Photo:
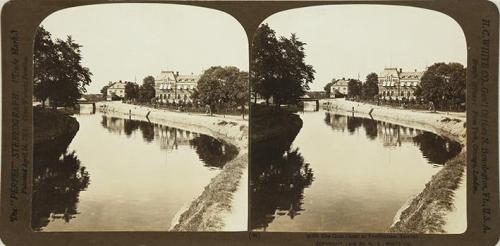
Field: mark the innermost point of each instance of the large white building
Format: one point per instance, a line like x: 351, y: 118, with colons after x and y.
x: 171, y: 87
x: 395, y: 84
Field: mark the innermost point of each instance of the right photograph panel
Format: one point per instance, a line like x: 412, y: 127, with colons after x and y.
x: 358, y: 121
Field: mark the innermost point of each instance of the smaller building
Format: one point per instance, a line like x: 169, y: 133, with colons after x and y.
x: 339, y: 88
x: 115, y: 89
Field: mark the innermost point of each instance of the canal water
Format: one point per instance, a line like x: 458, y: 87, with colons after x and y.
x: 120, y: 174
x: 343, y: 173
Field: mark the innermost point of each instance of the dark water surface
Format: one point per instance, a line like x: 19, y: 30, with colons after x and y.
x: 122, y: 174
x: 342, y: 174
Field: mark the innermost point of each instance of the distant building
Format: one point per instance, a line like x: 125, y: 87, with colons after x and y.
x: 339, y: 86
x: 171, y: 87
x: 395, y: 84
x: 116, y: 89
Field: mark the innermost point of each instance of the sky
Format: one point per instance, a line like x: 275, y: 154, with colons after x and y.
x: 131, y: 41
x: 347, y: 41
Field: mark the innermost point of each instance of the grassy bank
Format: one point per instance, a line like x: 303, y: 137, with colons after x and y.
x: 269, y: 122
x: 427, y: 212
x: 50, y: 124
x: 216, y: 199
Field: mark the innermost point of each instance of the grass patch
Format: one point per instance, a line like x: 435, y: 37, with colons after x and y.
x: 205, y: 213
x: 426, y: 213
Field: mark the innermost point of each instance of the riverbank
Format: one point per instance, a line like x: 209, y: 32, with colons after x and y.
x: 50, y: 124
x: 435, y: 207
x: 216, y: 207
x: 270, y: 123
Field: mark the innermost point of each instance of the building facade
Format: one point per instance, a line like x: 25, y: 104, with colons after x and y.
x: 172, y: 87
x: 340, y: 86
x: 395, y: 84
x: 115, y: 89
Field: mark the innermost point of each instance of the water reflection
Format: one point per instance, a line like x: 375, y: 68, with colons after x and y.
x: 58, y: 180
x: 213, y: 152
x: 434, y: 148
x: 338, y: 170
x: 137, y: 169
x: 279, y: 177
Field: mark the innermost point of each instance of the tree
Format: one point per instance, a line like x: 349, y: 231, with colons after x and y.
x: 370, y: 87
x: 58, y: 73
x: 264, y: 61
x: 104, y: 91
x: 328, y: 87
x: 354, y: 88
x: 147, y: 89
x: 223, y: 86
x: 444, y: 84
x: 131, y: 91
x: 237, y: 91
x: 279, y: 70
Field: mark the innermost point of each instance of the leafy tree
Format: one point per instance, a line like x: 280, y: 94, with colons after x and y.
x: 264, y: 61
x: 58, y: 73
x: 444, y: 84
x: 147, y: 89
x: 223, y: 86
x: 279, y: 68
x: 104, y: 91
x: 354, y: 87
x: 418, y: 92
x: 237, y: 91
x: 328, y: 87
x: 370, y: 87
x: 131, y: 90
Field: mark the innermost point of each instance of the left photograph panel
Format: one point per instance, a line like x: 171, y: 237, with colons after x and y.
x: 140, y: 120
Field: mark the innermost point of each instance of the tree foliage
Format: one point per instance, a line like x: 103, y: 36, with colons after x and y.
x: 104, y: 91
x: 131, y: 91
x: 327, y: 88
x: 444, y: 84
x: 59, y: 75
x: 279, y: 70
x: 354, y: 88
x: 370, y: 87
x: 147, y: 89
x: 222, y: 86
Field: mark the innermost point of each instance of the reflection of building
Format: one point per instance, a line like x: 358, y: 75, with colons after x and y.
x: 395, y: 135
x: 170, y: 138
x: 171, y: 86
x: 115, y: 89
x: 339, y: 86
x: 396, y: 84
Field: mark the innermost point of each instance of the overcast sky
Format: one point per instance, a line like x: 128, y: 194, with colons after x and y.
x: 131, y: 41
x: 344, y: 41
x: 128, y: 41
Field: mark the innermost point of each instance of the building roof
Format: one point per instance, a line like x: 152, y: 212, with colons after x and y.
x: 192, y: 78
x: 389, y: 72
x: 166, y: 75
x: 411, y: 75
x: 394, y: 72
x: 341, y: 82
x: 117, y: 85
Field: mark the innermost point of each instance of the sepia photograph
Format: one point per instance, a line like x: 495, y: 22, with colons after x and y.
x: 140, y: 116
x: 358, y: 121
